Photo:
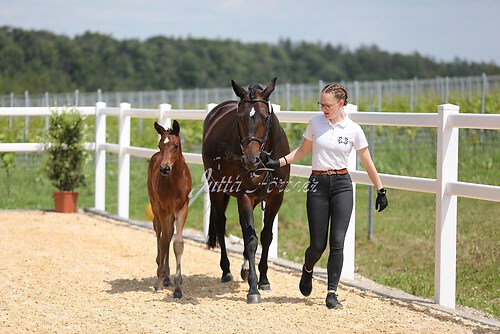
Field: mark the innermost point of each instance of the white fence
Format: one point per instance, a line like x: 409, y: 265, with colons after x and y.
x: 446, y: 186
x: 287, y: 94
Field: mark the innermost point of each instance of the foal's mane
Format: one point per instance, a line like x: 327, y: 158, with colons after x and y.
x: 252, y: 90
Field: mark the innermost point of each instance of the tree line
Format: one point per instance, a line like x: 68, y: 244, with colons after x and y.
x: 41, y: 61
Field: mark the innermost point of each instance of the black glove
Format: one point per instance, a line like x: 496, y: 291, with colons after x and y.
x: 273, y: 164
x: 381, y: 202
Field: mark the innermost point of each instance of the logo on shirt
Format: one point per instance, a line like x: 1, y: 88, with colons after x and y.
x: 343, y: 140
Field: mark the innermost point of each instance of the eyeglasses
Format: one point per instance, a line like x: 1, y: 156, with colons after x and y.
x: 324, y: 106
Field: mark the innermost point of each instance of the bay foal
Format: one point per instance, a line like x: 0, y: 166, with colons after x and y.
x: 169, y: 185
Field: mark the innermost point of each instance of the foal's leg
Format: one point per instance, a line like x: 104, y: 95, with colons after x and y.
x: 157, y: 229
x: 179, y: 248
x: 162, y: 246
x: 169, y: 232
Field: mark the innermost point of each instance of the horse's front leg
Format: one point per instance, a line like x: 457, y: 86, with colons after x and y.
x: 245, y: 267
x: 245, y: 209
x: 179, y: 248
x: 266, y: 237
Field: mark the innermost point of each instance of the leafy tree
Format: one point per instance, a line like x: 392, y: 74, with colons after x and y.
x: 41, y: 61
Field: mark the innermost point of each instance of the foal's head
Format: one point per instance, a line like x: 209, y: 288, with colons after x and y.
x: 254, y: 122
x: 170, y: 147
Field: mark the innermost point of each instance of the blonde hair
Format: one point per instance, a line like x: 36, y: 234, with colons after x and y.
x: 339, y: 91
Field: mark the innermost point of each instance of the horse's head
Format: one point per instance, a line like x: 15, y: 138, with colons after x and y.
x: 254, y: 122
x: 169, y: 145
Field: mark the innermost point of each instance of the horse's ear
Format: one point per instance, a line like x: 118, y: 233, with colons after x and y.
x: 160, y: 129
x: 175, y: 128
x: 238, y: 90
x: 269, y: 89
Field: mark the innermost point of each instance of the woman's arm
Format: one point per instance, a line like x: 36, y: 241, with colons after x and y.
x: 297, y: 154
x: 367, y: 162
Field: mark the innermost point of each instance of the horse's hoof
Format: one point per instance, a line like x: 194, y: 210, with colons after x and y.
x: 177, y: 294
x: 265, y: 287
x: 244, y: 274
x: 227, y: 278
x: 253, y: 298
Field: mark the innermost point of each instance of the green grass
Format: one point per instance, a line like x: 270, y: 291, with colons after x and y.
x: 401, y: 251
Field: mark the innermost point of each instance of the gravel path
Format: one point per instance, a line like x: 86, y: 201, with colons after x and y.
x: 80, y: 273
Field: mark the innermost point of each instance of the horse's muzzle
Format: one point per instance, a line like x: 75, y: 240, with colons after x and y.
x: 165, y: 170
x: 251, y: 162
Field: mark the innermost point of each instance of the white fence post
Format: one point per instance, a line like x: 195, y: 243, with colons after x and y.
x: 123, y: 162
x: 446, y: 209
x: 349, y: 251
x: 273, y: 248
x: 164, y: 119
x: 100, y: 158
x: 206, y: 195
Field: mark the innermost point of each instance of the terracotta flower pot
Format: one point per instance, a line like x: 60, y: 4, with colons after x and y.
x: 65, y: 201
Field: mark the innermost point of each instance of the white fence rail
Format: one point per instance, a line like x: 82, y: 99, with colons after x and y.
x: 446, y: 186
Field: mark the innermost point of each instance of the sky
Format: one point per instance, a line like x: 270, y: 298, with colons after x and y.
x: 440, y: 29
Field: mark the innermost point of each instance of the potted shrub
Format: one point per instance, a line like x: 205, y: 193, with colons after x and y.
x: 66, y: 156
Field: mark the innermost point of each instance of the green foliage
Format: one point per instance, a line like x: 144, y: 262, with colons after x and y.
x: 40, y: 61
x: 66, y: 155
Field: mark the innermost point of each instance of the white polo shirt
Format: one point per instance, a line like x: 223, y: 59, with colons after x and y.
x: 332, y: 143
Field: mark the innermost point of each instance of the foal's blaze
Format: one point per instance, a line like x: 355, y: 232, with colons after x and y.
x: 169, y: 185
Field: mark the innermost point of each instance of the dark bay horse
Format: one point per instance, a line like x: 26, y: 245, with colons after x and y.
x: 238, y: 138
x: 169, y: 185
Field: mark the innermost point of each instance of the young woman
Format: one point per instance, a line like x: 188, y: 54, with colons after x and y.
x: 331, y: 137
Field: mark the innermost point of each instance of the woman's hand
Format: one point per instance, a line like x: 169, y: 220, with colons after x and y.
x: 273, y: 164
x: 381, y: 202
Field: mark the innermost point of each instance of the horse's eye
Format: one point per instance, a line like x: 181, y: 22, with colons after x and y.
x: 176, y: 146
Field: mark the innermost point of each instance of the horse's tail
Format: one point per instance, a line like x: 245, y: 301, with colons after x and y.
x: 217, y: 217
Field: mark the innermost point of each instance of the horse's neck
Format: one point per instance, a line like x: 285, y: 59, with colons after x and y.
x: 274, y: 132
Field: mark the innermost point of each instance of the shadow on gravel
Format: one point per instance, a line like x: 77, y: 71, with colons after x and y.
x: 198, y: 287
